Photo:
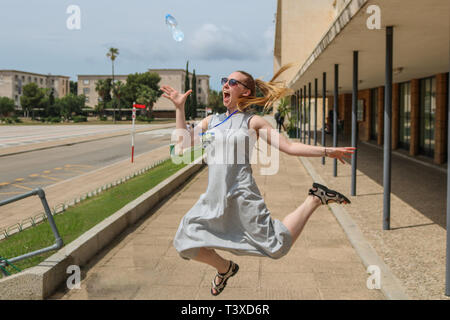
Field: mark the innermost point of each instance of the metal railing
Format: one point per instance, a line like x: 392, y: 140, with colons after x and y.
x: 58, y: 241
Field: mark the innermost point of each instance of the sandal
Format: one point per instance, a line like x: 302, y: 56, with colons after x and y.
x: 232, y: 270
x: 325, y: 195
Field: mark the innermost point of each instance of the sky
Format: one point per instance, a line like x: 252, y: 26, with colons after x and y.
x: 219, y: 36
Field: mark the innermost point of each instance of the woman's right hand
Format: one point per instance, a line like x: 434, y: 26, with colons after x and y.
x: 178, y: 99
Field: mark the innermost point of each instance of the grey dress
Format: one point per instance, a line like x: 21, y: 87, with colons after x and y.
x: 231, y: 215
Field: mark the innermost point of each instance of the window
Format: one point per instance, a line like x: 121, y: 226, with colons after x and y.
x: 87, y: 99
x: 86, y: 82
x: 199, y: 90
x: 86, y: 91
x: 427, y: 116
x: 374, y: 114
x: 35, y: 80
x: 29, y: 79
x: 41, y: 81
x: 404, y: 136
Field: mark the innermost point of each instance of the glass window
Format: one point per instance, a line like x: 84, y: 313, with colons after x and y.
x: 404, y: 136
x: 85, y: 91
x: 427, y: 116
x: 85, y: 81
x: 374, y: 114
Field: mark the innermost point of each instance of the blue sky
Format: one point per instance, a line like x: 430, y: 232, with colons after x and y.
x: 219, y: 36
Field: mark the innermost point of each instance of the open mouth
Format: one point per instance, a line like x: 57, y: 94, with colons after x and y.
x: 226, y: 97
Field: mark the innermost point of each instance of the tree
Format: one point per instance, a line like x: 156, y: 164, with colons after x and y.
x: 71, y: 105
x: 32, y: 96
x: 148, y: 97
x: 118, y: 91
x: 103, y: 88
x: 187, y: 105
x: 112, y: 54
x: 215, y: 101
x: 194, y: 103
x: 6, y: 106
x: 74, y: 87
x: 134, y: 90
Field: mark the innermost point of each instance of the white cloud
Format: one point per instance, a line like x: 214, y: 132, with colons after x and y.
x: 211, y: 42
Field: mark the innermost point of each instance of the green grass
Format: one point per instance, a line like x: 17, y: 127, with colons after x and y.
x: 78, y: 219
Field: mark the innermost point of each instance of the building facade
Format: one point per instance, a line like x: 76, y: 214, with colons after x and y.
x: 163, y: 108
x: 12, y: 82
x: 321, y: 36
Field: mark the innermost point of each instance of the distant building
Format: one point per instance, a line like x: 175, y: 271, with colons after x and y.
x: 163, y: 108
x: 12, y: 82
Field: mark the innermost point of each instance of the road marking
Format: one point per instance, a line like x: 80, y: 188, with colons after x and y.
x: 19, y: 186
x: 3, y: 184
x: 51, y: 178
x: 19, y: 179
x: 5, y: 193
x: 46, y: 171
x: 34, y: 175
x: 57, y: 168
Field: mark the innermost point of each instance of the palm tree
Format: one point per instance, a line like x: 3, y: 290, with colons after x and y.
x: 118, y: 89
x: 112, y: 54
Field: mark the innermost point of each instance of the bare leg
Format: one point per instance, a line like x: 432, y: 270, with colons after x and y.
x: 296, y: 220
x: 210, y: 256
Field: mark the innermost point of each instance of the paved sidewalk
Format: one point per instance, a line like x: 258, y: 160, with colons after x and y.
x: 143, y: 264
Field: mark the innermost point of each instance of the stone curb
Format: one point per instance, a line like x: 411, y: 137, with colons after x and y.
x: 390, y: 285
x: 39, y: 282
x: 72, y: 141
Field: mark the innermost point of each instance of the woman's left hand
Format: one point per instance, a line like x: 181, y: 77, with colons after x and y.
x: 340, y: 153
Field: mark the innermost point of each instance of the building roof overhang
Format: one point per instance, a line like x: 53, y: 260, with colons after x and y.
x: 420, y: 45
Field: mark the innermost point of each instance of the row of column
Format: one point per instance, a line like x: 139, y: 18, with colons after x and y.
x: 300, y: 101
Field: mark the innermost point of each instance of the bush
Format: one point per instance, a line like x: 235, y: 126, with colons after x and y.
x: 77, y: 119
x: 144, y: 119
x: 17, y: 120
x: 54, y: 119
x: 103, y: 118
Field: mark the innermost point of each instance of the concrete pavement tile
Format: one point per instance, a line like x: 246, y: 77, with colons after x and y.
x: 132, y: 249
x: 286, y: 264
x: 331, y: 280
x: 229, y: 293
x: 350, y: 293
x: 286, y: 293
x: 343, y: 253
x: 166, y: 292
x: 288, y: 280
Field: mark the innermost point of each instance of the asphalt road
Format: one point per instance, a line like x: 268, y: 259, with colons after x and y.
x: 23, y: 172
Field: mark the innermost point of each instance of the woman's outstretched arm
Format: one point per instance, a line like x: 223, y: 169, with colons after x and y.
x: 279, y: 141
x: 193, y: 136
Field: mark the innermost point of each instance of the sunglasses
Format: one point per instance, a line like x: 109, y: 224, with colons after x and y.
x: 232, y: 82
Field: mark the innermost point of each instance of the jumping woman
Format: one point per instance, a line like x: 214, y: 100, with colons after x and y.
x: 231, y: 215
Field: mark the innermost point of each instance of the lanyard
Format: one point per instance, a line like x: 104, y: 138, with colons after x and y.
x: 221, y: 122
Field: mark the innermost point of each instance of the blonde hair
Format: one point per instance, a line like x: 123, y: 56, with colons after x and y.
x: 271, y: 90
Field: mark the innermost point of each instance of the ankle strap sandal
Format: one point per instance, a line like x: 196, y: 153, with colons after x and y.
x: 232, y: 270
x: 327, y: 195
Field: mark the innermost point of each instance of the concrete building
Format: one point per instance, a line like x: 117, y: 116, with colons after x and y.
x: 321, y: 34
x: 163, y: 108
x: 12, y: 82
